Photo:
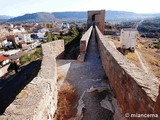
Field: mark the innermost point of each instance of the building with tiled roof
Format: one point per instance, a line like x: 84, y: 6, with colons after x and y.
x: 3, y: 60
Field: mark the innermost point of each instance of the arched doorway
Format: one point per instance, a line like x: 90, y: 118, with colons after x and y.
x: 94, y: 19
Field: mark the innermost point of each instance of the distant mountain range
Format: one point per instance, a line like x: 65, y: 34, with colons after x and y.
x: 4, y: 18
x: 34, y: 17
x: 46, y: 17
x: 123, y: 15
x: 70, y: 15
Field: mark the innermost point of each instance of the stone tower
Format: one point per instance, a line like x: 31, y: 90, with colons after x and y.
x: 96, y: 18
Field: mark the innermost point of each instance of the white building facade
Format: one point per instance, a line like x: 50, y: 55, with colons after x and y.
x: 25, y: 37
x: 128, y: 38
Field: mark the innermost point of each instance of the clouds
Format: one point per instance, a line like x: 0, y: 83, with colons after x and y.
x: 20, y: 7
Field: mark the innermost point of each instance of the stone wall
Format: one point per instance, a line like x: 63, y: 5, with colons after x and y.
x: 99, y: 17
x: 135, y: 90
x: 84, y: 44
x: 57, y: 47
x: 38, y: 100
x: 157, y: 105
x: 85, y: 40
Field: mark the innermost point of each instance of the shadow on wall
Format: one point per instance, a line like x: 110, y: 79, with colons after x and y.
x: 72, y: 48
x: 12, y: 86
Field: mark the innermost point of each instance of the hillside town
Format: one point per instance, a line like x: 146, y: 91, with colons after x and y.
x: 19, y: 39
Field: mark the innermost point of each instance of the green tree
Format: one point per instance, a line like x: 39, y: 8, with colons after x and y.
x: 31, y: 57
x: 55, y: 38
x: 49, y: 36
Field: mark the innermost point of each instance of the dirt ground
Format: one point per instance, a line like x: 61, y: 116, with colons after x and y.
x: 150, y: 55
x: 82, y: 77
x: 67, y: 97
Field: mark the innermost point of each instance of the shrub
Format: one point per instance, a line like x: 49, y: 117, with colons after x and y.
x: 28, y: 58
x: 158, y: 45
x: 25, y: 59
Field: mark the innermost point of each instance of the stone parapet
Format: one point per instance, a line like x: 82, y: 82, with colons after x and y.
x: 85, y: 40
x: 136, y: 91
x: 84, y: 44
x: 38, y: 100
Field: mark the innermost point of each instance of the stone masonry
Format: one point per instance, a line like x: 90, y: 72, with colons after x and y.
x: 38, y: 100
x: 98, y: 17
x: 135, y: 90
x: 84, y: 44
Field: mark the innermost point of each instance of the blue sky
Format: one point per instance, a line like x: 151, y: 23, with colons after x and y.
x: 20, y: 7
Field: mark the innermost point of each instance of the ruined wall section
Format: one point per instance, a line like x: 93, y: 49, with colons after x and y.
x: 135, y: 90
x: 38, y: 100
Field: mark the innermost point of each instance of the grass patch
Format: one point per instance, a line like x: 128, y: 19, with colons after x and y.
x: 132, y: 57
x: 66, y: 102
x: 158, y: 45
x: 31, y: 57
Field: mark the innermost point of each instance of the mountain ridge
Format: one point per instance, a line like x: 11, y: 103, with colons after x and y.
x: 39, y: 17
x: 78, y: 15
x: 5, y: 17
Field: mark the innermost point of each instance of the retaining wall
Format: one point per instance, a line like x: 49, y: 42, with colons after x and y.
x: 38, y: 100
x: 136, y: 91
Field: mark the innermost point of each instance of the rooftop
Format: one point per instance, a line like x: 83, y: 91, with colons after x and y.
x: 3, y: 58
x: 11, y: 52
x: 129, y: 29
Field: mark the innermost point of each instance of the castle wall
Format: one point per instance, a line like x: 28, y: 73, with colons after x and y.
x: 99, y: 18
x: 135, y: 90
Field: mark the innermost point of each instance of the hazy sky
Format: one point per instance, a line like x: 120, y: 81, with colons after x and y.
x: 20, y: 7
